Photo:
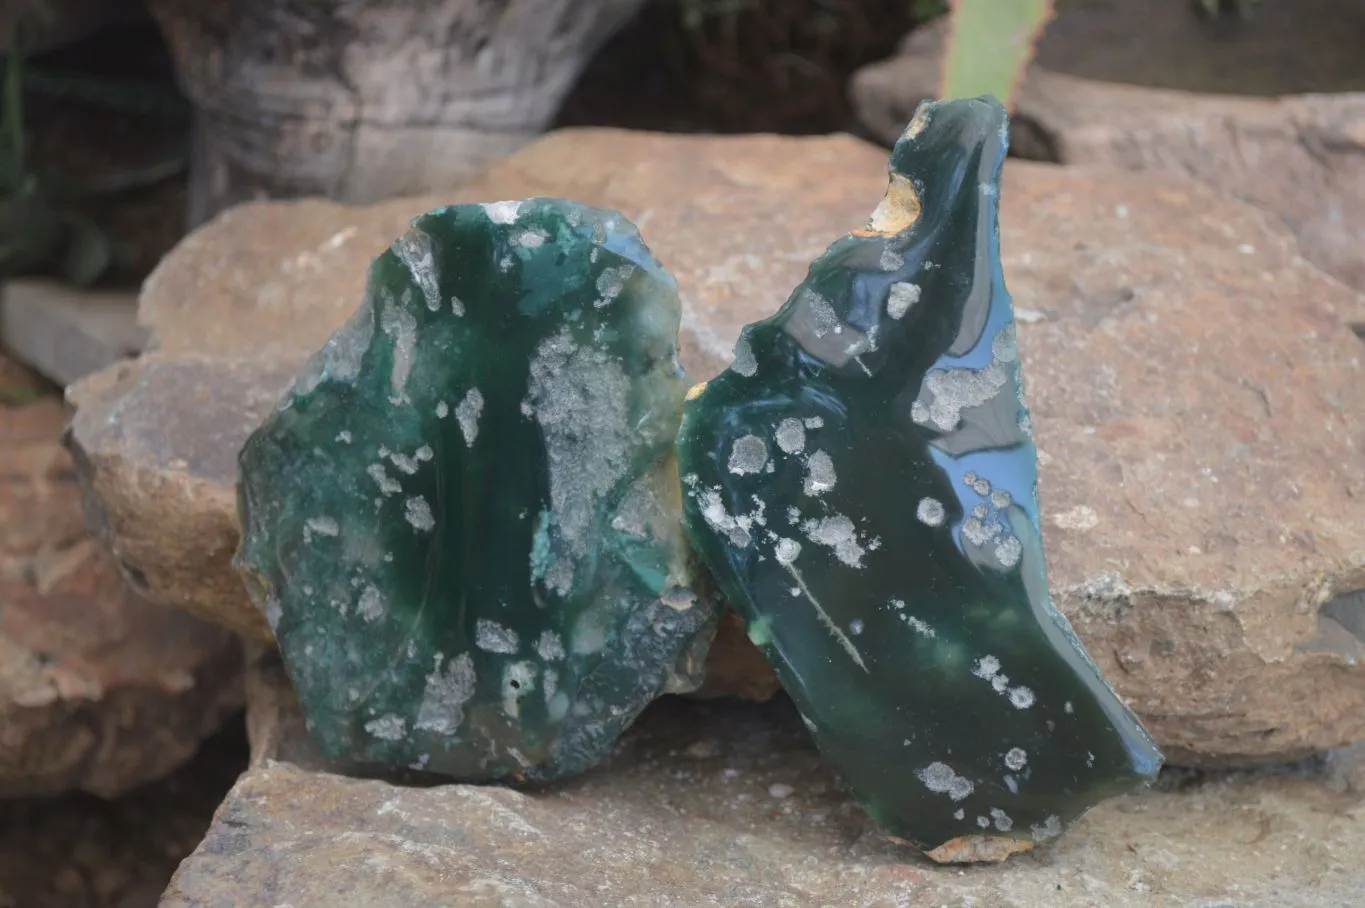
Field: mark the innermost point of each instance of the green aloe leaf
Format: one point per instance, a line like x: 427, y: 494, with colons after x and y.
x: 991, y: 43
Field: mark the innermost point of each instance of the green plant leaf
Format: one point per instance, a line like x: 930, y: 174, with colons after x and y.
x: 990, y: 44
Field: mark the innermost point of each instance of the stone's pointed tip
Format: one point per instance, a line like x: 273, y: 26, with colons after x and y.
x: 977, y: 849
x: 948, y: 129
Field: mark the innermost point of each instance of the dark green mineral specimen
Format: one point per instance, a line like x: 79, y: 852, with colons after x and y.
x: 861, y: 481
x: 463, y: 522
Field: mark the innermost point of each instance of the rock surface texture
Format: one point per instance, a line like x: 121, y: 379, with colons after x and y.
x: 463, y: 521
x: 99, y: 690
x: 723, y: 804
x: 1297, y: 151
x: 861, y: 483
x: 1197, y: 400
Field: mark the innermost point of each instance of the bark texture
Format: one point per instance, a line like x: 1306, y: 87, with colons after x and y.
x: 360, y: 100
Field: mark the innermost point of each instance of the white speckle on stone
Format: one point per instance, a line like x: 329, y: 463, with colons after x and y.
x: 815, y: 422
x: 780, y: 790
x: 502, y: 212
x: 1012, y: 784
x: 549, y: 683
x: 959, y: 814
x: 442, y: 709
x: 1000, y: 682
x: 825, y: 319
x: 838, y: 533
x: 1029, y: 316
x: 930, y: 512
x: 1001, y: 499
x: 531, y: 238
x: 344, y: 437
x: 518, y: 680
x: 977, y: 532
x: 424, y: 453
x: 748, y: 455
x: 986, y: 667
x: 612, y: 281
x: 387, y: 484
x: 820, y: 477
x: 891, y: 260
x: 1068, y: 708
x: 919, y: 625
x: 744, y: 362
x: 442, y: 409
x: 947, y: 392
x: 418, y: 513
x: 492, y: 637
x: 414, y: 250
x: 387, y: 728
x: 323, y: 526
x: 714, y: 513
x: 1016, y: 758
x: 1246, y: 249
x: 787, y: 550
x: 1049, y: 829
x: 371, y: 605
x: 401, y: 328
x: 791, y: 436
x: 1004, y: 347
x: 588, y: 638
x: 1021, y: 697
x: 1080, y: 518
x: 855, y: 627
x: 274, y: 609
x: 1008, y: 551
x: 403, y: 462
x: 941, y: 779
x: 900, y: 298
x: 550, y: 647
x: 1002, y: 820
x: 468, y: 413
x: 456, y: 306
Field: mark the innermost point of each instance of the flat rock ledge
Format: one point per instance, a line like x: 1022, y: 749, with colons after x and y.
x: 1197, y: 394
x: 100, y: 691
x: 726, y: 803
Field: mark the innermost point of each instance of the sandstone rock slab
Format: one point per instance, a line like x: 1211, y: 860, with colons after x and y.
x: 728, y: 804
x: 99, y: 690
x: 1270, y: 110
x: 1197, y: 398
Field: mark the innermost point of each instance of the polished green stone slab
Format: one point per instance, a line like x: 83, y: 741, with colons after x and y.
x: 861, y: 481
x: 463, y: 521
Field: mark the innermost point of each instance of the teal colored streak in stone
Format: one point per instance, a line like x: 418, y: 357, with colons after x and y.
x: 463, y: 521
x: 861, y: 482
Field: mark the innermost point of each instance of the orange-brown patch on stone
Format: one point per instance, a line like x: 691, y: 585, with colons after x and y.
x: 898, y: 210
x: 973, y: 849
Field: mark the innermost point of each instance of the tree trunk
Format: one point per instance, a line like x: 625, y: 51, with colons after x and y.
x: 360, y: 100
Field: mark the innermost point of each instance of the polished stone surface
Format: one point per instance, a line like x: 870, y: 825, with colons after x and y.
x: 861, y: 480
x: 462, y: 522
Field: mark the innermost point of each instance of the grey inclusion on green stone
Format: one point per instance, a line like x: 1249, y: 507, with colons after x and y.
x: 887, y: 556
x: 463, y: 522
